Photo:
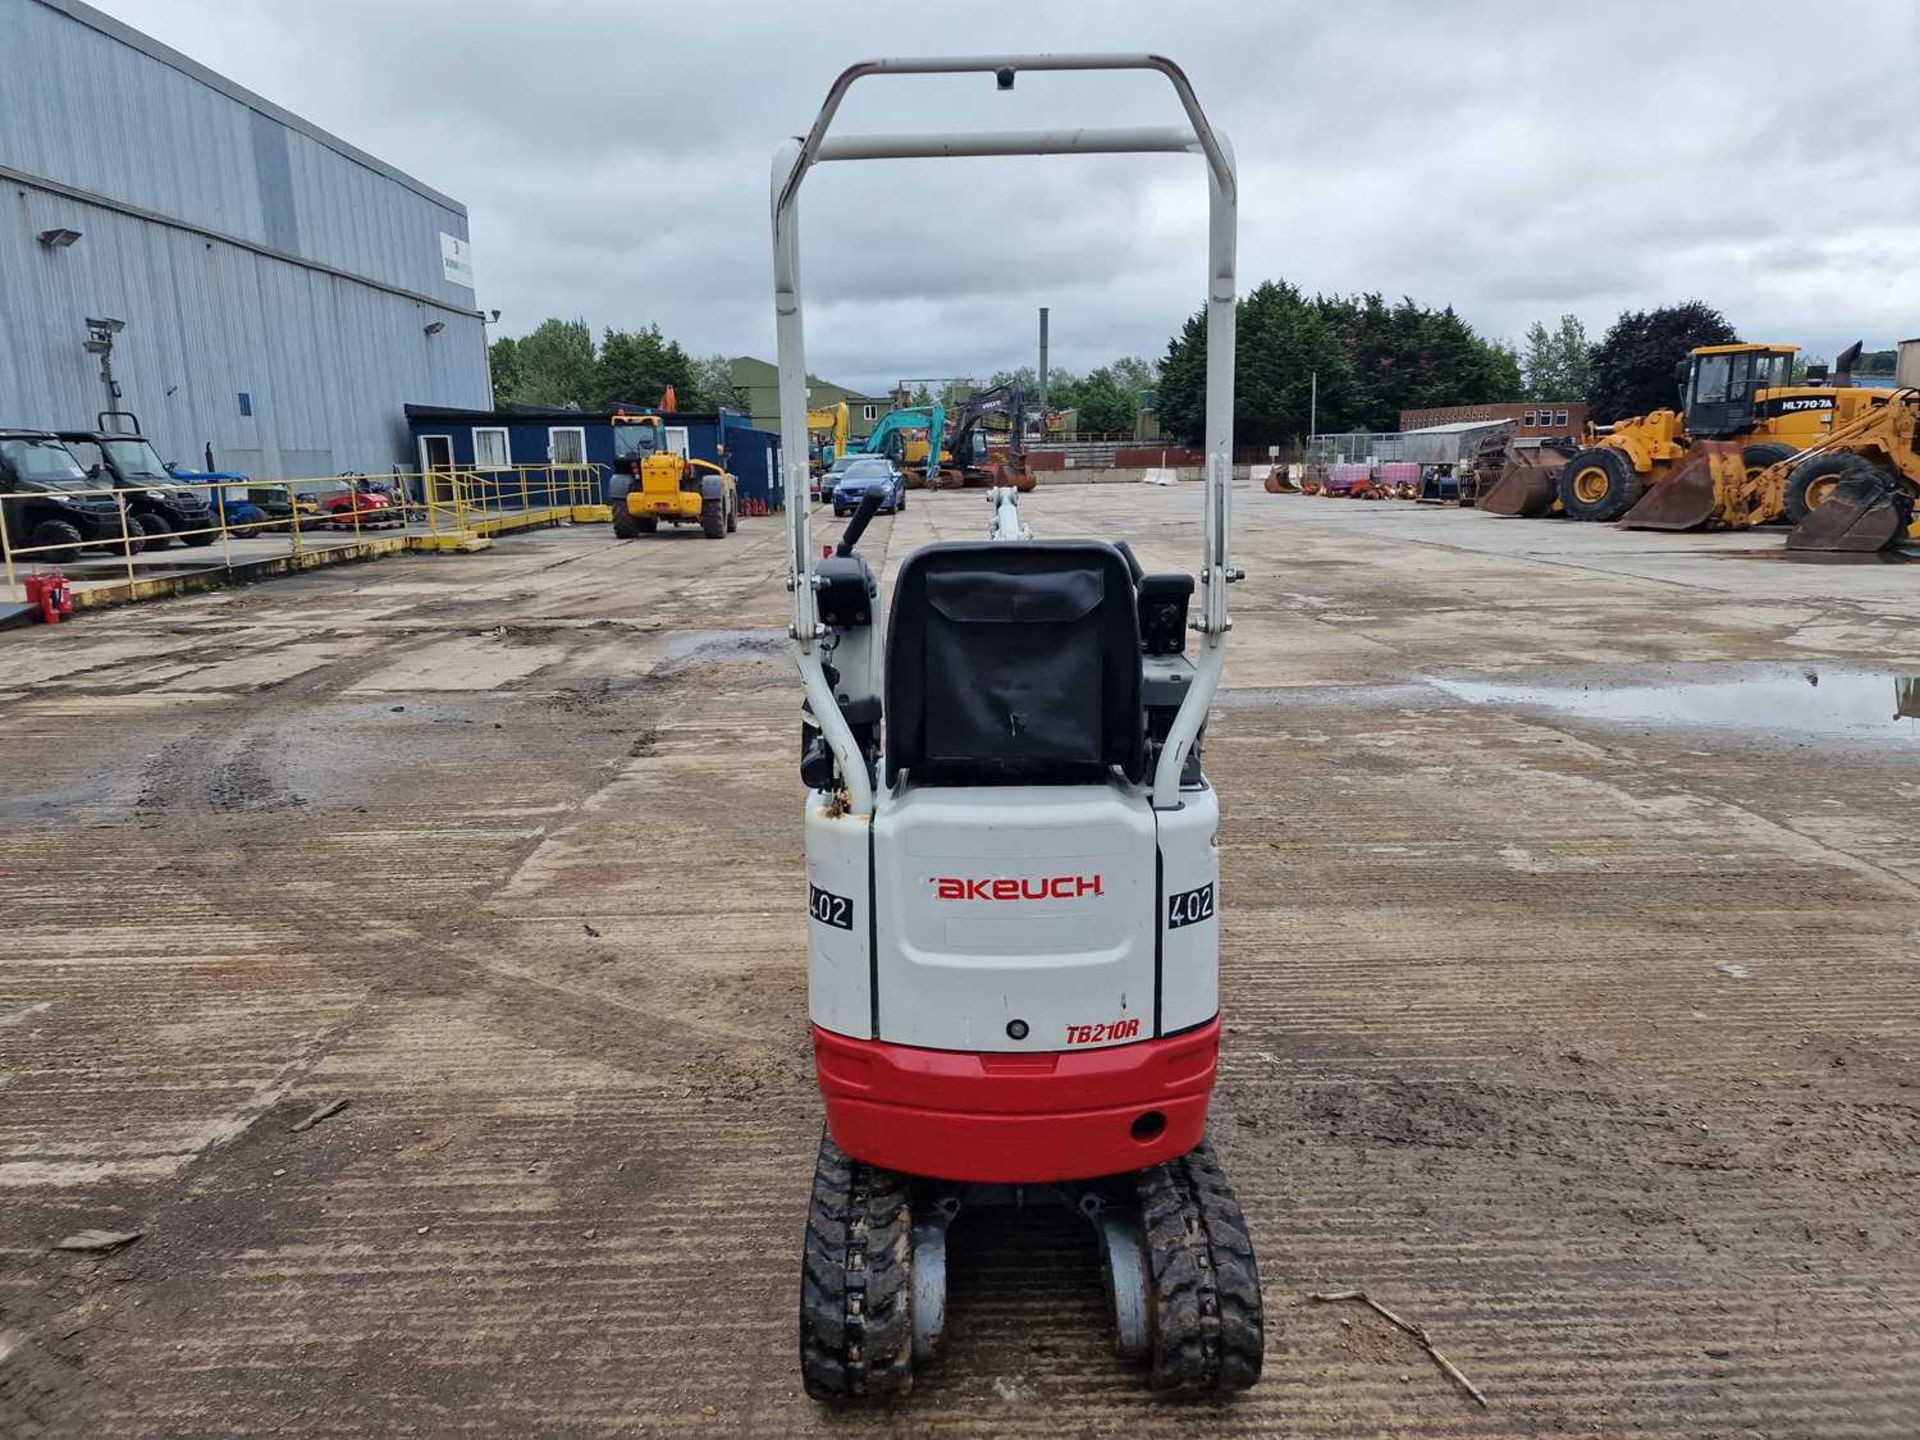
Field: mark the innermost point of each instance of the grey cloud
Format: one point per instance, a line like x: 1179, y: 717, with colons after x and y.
x: 1512, y: 159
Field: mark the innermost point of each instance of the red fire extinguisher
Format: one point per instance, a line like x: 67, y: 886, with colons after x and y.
x: 50, y: 592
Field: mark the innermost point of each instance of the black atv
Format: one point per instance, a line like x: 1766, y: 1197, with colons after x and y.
x: 46, y: 511
x: 160, y: 506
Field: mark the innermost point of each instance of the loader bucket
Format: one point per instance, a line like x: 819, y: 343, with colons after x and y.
x: 1862, y: 513
x: 1694, y: 492
x: 1522, y: 489
x: 1278, y: 482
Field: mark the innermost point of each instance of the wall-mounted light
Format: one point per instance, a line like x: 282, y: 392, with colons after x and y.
x: 493, y: 317
x: 58, y: 238
x: 436, y: 327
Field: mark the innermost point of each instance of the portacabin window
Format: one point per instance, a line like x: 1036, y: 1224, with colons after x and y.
x: 490, y: 450
x: 869, y: 412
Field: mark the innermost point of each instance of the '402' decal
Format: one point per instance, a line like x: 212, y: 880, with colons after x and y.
x: 1190, y: 907
x: 829, y: 908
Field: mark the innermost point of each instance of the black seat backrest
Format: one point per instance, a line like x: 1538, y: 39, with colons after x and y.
x: 1014, y: 662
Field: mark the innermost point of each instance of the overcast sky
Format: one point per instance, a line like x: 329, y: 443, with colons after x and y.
x: 1514, y: 160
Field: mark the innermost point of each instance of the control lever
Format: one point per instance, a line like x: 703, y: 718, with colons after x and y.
x: 856, y: 527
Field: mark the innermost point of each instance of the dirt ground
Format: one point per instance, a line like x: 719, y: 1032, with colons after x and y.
x: 1584, y: 1035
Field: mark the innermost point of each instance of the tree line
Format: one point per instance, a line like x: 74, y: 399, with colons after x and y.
x: 1333, y: 362
x: 1373, y: 360
x: 559, y: 365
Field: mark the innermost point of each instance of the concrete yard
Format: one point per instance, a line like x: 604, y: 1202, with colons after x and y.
x: 1571, y: 973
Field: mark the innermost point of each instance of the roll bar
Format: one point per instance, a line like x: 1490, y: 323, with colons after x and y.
x: 790, y: 169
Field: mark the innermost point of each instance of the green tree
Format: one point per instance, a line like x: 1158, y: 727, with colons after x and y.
x: 637, y: 366
x: 1106, y: 406
x: 1633, y: 365
x: 1373, y: 360
x: 503, y: 365
x: 1558, y: 364
x: 556, y: 366
x: 713, y: 385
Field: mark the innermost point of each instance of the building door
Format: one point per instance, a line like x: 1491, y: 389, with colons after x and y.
x: 436, y: 460
x: 566, y: 462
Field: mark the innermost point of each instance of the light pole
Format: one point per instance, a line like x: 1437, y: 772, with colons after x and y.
x: 99, y: 342
x: 488, y: 317
x: 1043, y: 368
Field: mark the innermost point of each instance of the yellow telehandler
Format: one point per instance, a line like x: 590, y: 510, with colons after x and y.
x: 651, y: 483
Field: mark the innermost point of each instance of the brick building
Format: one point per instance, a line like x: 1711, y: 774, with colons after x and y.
x: 1531, y: 420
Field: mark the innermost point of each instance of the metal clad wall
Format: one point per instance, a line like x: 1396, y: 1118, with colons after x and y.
x: 327, y: 360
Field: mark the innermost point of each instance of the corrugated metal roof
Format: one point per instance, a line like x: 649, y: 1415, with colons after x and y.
x: 97, y: 108
x: 250, y: 255
x: 186, y: 65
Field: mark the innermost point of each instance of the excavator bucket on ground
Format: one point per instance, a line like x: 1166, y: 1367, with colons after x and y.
x: 1525, y: 487
x: 1012, y: 472
x: 1279, y: 482
x: 1697, y: 489
x: 1863, y: 513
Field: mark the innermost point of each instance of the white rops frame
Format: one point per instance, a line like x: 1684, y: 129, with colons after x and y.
x: 790, y: 168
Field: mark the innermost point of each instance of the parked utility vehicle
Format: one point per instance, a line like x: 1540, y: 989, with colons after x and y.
x: 160, y: 506
x: 46, y: 509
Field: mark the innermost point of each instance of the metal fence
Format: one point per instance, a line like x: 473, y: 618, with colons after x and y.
x: 1357, y: 447
x: 263, y: 521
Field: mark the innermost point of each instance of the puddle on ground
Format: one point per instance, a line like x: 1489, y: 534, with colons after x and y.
x: 698, y: 647
x: 1849, y: 704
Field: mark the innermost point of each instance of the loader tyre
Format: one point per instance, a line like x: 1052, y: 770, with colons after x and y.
x: 713, y: 519
x: 1208, y: 1328
x: 733, y: 517
x: 1813, y: 480
x: 1763, y: 455
x: 625, y: 526
x: 856, y: 1281
x: 1599, y: 484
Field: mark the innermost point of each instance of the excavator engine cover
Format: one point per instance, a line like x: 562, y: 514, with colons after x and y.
x: 1691, y: 495
x: 1862, y: 513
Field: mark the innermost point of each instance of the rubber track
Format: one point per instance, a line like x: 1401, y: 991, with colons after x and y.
x: 856, y: 1318
x: 1208, y: 1331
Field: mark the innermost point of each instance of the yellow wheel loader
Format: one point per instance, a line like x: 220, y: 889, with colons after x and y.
x: 1852, y: 487
x: 651, y: 483
x: 1742, y: 415
x: 1856, y: 490
x: 1739, y: 413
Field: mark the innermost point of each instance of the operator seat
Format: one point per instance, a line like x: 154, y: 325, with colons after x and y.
x: 1014, y: 664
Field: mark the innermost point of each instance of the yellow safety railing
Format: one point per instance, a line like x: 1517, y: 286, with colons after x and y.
x: 439, y: 509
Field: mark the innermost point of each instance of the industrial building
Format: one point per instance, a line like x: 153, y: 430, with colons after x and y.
x: 758, y: 383
x: 1531, y: 420
x: 242, y: 281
